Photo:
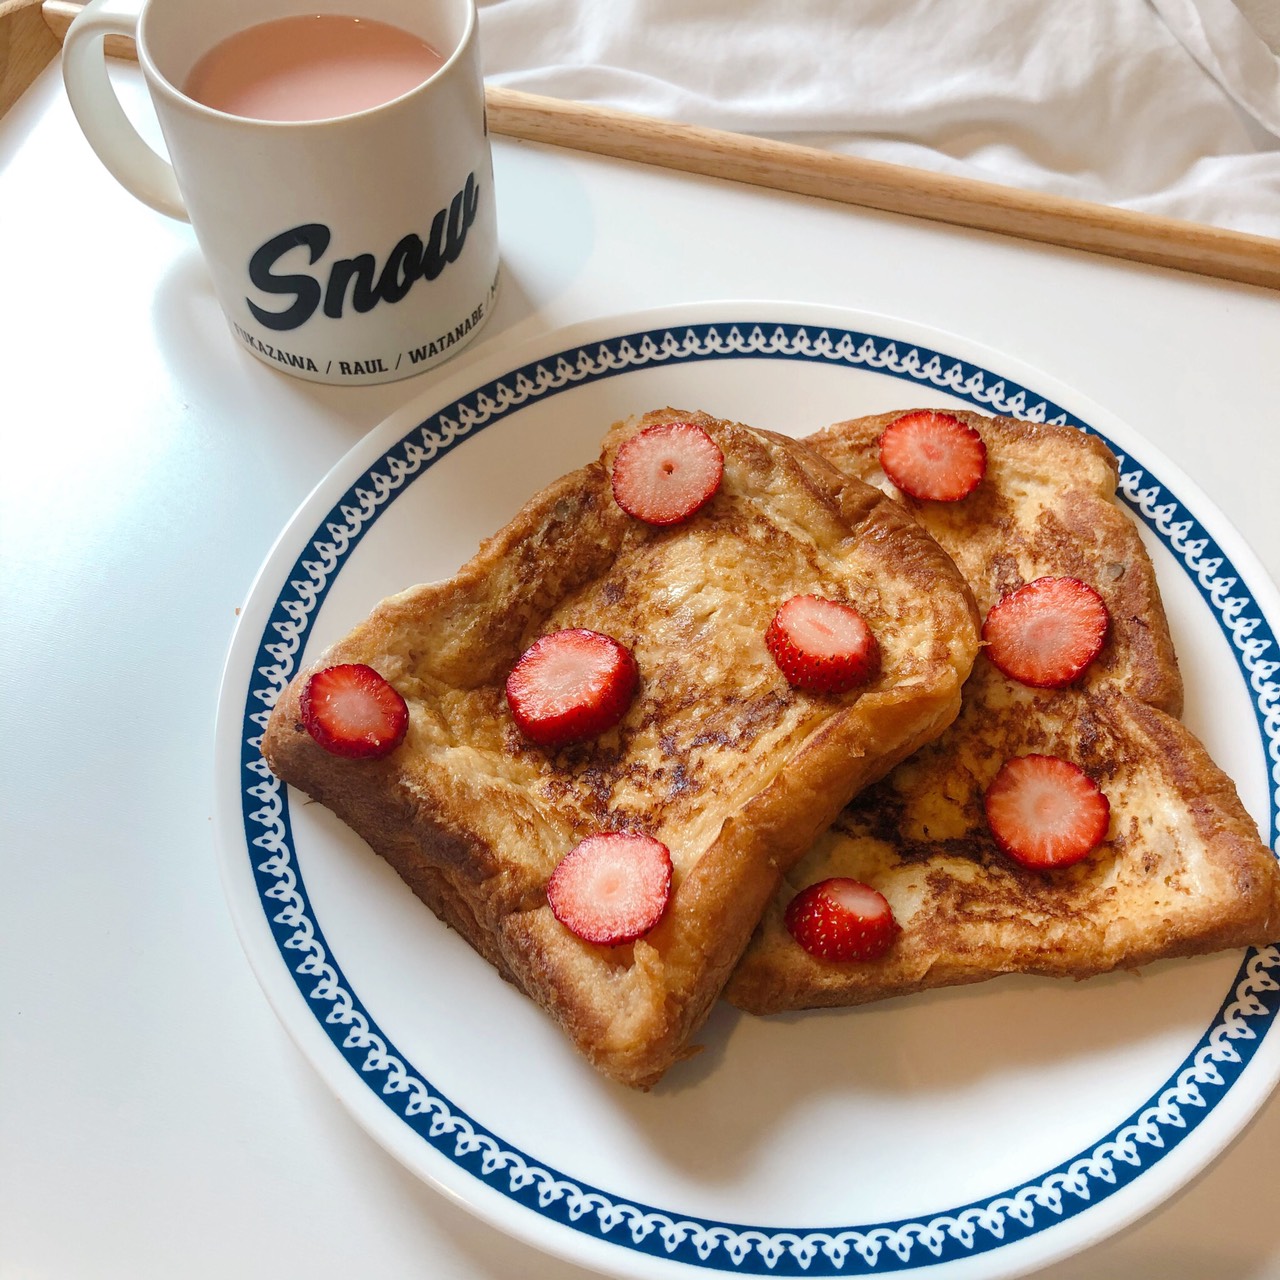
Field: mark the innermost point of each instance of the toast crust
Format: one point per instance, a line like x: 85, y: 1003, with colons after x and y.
x: 717, y: 757
x: 1182, y: 871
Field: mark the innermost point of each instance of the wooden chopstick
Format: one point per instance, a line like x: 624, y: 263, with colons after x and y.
x: 871, y: 184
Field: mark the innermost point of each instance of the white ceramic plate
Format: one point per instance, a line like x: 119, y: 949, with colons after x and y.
x: 982, y: 1131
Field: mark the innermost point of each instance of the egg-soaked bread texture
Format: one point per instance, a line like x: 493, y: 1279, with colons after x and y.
x: 1182, y: 870
x: 717, y: 757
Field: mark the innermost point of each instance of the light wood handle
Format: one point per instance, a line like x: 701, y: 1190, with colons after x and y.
x: 26, y: 48
x: 871, y: 184
x: 59, y: 15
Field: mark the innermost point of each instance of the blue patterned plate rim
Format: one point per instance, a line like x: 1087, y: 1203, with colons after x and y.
x: 1149, y: 1135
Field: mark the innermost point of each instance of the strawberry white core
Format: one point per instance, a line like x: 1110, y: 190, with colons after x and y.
x: 853, y: 896
x: 823, y: 628
x: 358, y: 710
x: 1044, y: 804
x: 661, y: 471
x: 571, y: 674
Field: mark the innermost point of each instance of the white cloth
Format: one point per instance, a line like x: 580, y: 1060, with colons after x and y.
x: 1169, y: 106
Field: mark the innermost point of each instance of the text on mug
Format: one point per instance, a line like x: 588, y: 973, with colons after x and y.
x: 408, y: 262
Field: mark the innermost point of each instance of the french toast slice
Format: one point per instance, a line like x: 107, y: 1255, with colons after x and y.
x: 1182, y: 870
x: 718, y: 756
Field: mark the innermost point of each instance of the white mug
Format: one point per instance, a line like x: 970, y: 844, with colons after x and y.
x: 353, y: 250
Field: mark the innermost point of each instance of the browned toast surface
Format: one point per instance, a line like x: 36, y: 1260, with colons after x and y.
x: 1182, y: 870
x: 1046, y: 506
x: 717, y: 757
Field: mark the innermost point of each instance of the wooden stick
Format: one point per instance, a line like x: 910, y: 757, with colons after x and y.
x: 873, y: 184
x: 59, y: 15
x: 870, y: 184
x: 26, y: 48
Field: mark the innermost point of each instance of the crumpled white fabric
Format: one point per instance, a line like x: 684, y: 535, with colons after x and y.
x: 1168, y: 106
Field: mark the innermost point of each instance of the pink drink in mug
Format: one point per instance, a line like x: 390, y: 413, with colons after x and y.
x: 332, y: 158
x: 311, y: 67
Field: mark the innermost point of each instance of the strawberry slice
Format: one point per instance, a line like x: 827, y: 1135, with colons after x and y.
x: 933, y: 456
x: 350, y: 710
x: 842, y: 919
x: 665, y: 473
x: 1046, y: 812
x: 1047, y: 632
x: 611, y: 888
x: 571, y: 685
x: 822, y: 646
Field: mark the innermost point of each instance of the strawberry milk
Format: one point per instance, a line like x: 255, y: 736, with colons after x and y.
x: 311, y: 67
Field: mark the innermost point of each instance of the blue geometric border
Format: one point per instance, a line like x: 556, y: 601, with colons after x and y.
x: 1115, y: 1160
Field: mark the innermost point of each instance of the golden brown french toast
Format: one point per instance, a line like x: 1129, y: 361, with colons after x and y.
x: 1181, y: 870
x: 718, y: 756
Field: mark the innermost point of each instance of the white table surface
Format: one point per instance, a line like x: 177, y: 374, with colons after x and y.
x: 155, y: 1120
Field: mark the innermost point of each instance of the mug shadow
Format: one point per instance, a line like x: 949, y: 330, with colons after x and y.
x: 188, y: 324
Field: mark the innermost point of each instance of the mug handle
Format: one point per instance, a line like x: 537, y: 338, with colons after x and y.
x: 97, y: 109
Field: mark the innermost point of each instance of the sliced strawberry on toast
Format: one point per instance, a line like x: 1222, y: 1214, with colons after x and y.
x: 1045, y: 812
x: 611, y: 888
x: 840, y: 919
x: 821, y: 645
x: 351, y: 711
x: 571, y: 685
x: 1047, y: 632
x: 667, y: 472
x: 933, y: 456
